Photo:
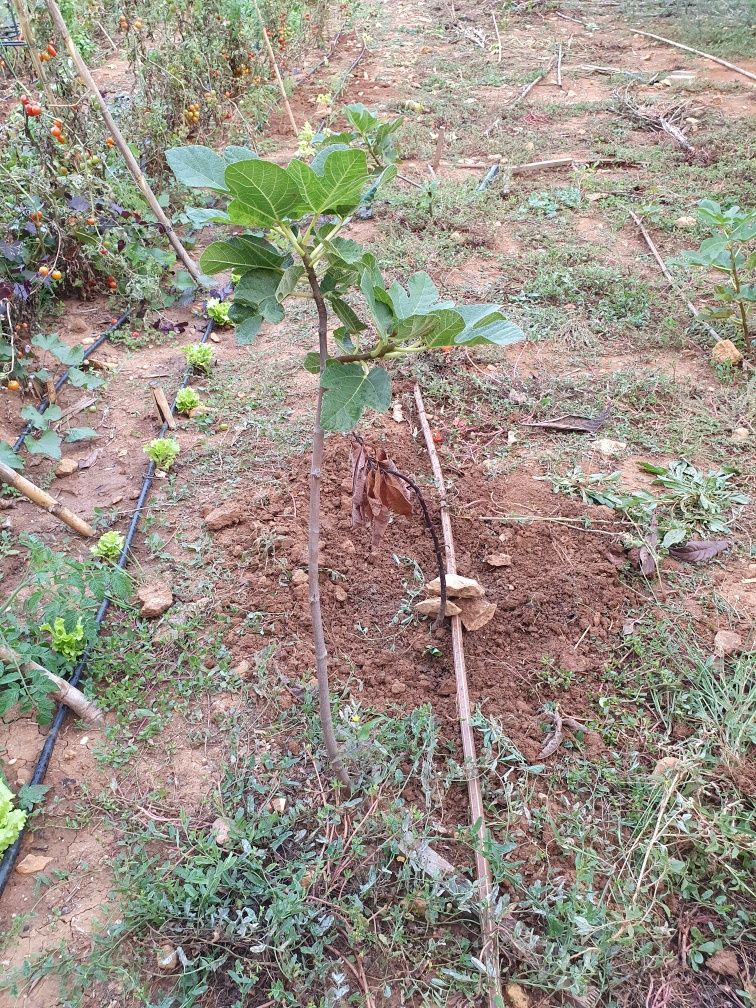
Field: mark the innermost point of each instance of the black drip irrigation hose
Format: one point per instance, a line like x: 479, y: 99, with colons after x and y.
x: 40, y: 769
x: 45, y: 402
x: 488, y: 178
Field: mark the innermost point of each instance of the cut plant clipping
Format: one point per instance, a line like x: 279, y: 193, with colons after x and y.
x: 377, y: 505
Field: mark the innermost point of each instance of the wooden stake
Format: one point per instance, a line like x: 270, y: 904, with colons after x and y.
x: 43, y: 500
x: 24, y: 23
x: 131, y: 162
x: 698, y: 52
x: 163, y: 407
x: 490, y: 949
x: 670, y: 279
x: 498, y: 36
x: 64, y: 693
x: 276, y: 71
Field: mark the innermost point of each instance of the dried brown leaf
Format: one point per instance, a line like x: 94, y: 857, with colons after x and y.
x: 375, y: 493
x: 699, y: 550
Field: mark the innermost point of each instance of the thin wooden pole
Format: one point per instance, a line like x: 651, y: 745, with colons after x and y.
x: 43, y: 500
x: 670, y: 279
x: 24, y: 23
x: 698, y: 52
x: 490, y: 945
x: 131, y: 162
x: 64, y: 693
x: 274, y: 64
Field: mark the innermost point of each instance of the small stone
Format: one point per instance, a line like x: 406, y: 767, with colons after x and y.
x: 198, y: 411
x: 32, y: 864
x: 725, y: 352
x: 430, y: 607
x: 724, y: 962
x: 66, y: 467
x: 476, y: 613
x: 339, y: 594
x: 688, y: 223
x: 740, y: 435
x: 224, y: 516
x: 397, y: 687
x: 609, y: 447
x: 155, y: 598
x: 241, y: 670
x: 299, y: 577
x: 220, y: 828
x: 499, y: 560
x: 727, y: 642
x: 517, y: 997
x: 278, y: 805
x: 666, y: 766
x: 456, y: 587
x: 167, y: 959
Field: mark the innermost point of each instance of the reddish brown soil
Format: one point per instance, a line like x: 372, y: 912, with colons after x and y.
x: 562, y: 598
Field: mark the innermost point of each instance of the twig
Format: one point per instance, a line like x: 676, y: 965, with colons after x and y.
x: 83, y: 71
x: 698, y: 52
x: 43, y: 500
x: 498, y: 35
x: 529, y: 87
x: 662, y: 266
x: 489, y: 950
x: 64, y: 692
x: 565, y: 17
x: 559, y: 66
x: 276, y: 71
x: 165, y: 413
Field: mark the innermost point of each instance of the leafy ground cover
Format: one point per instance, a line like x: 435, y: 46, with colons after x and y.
x: 198, y: 848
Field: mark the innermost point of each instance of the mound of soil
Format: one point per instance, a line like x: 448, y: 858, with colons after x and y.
x: 559, y: 602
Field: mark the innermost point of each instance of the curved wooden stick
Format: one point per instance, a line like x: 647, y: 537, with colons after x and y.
x: 64, y: 693
x: 42, y: 499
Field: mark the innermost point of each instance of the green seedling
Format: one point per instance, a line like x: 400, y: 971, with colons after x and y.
x: 187, y: 400
x: 163, y: 452
x: 730, y: 250
x: 217, y: 310
x: 11, y: 819
x: 200, y: 356
x: 69, y: 644
x: 109, y: 546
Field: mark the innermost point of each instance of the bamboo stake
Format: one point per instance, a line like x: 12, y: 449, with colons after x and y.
x: 490, y: 948
x: 698, y: 52
x: 276, y: 71
x: 43, y: 500
x: 24, y: 23
x: 131, y: 162
x: 64, y: 693
x: 498, y: 36
x: 670, y: 279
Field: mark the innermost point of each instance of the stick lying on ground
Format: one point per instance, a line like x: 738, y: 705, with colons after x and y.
x: 670, y: 280
x: 698, y: 52
x: 64, y: 693
x: 490, y: 945
x: 42, y: 499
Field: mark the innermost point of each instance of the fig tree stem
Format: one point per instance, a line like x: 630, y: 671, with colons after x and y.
x: 313, y: 567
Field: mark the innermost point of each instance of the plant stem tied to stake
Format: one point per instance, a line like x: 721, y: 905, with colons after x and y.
x: 313, y: 566
x: 490, y: 945
x: 83, y: 70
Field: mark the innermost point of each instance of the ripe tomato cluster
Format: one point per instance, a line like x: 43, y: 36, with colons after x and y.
x: 30, y: 107
x: 123, y: 23
x: 49, y: 53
